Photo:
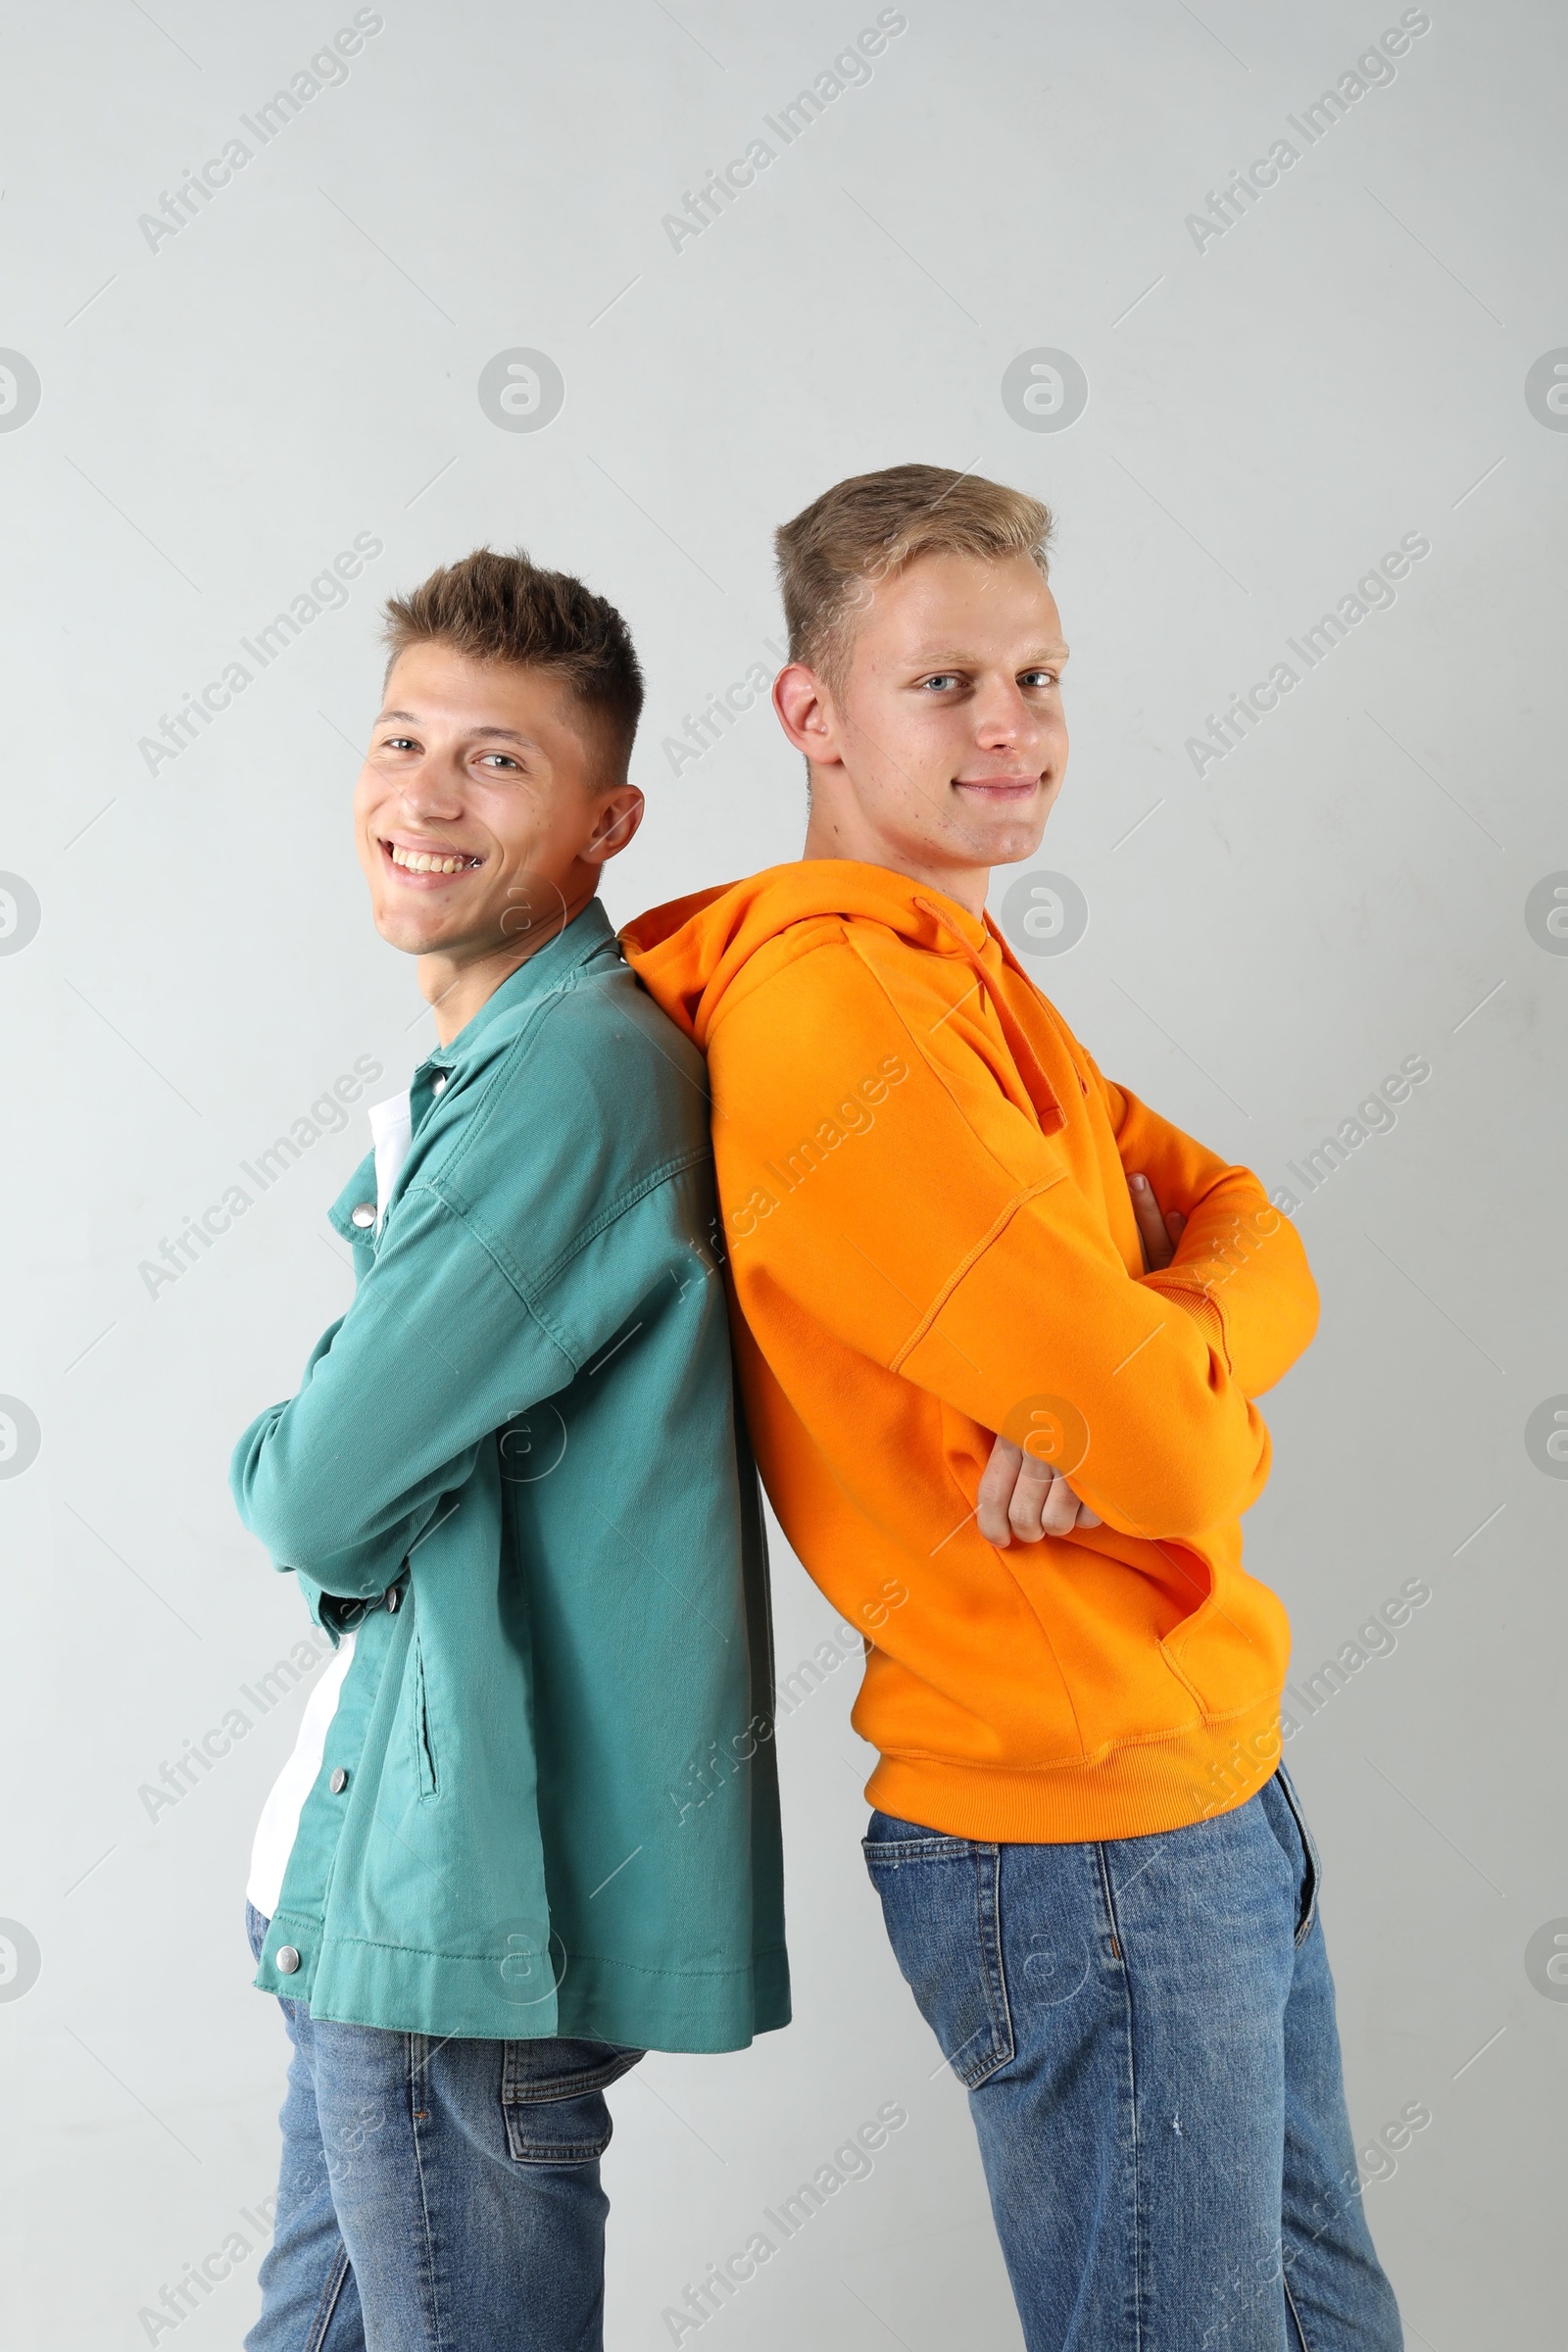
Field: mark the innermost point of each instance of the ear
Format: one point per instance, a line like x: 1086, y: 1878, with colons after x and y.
x: 805, y: 713
x: 619, y: 815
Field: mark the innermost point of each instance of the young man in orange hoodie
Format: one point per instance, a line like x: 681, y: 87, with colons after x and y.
x: 1002, y: 1329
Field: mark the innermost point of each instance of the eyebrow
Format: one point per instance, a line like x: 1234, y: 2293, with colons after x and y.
x: 505, y: 734
x: 1055, y: 652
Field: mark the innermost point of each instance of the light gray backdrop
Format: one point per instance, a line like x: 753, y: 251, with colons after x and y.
x: 207, y: 398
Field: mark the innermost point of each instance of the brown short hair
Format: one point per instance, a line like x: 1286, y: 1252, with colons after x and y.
x: 495, y: 608
x: 866, y: 529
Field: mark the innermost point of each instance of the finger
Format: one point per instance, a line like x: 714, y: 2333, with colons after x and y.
x: 1175, y: 1224
x: 1030, y: 1493
x: 1083, y: 1516
x: 1150, y: 1224
x: 1060, y: 1511
x: 997, y: 1483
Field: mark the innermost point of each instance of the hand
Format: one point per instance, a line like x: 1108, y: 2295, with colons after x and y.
x: 1158, y: 1235
x: 1025, y: 1497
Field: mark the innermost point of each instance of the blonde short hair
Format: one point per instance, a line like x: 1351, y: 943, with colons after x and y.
x: 868, y: 528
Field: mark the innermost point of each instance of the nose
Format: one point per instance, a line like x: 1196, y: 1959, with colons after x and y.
x: 429, y: 790
x: 1004, y: 718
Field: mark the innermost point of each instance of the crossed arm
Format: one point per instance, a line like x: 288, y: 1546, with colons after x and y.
x: 1025, y: 1497
x: 957, y: 1250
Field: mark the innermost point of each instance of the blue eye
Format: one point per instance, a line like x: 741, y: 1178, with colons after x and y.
x: 941, y: 683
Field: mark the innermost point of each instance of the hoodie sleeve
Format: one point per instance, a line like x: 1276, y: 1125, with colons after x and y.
x: 1236, y: 1252
x: 880, y: 1188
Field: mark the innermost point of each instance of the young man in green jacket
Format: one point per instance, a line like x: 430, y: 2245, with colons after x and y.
x: 502, y: 1864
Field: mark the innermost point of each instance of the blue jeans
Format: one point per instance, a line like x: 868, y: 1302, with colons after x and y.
x: 1145, y: 2030
x: 436, y: 2196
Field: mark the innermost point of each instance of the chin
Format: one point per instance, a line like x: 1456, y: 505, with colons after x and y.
x: 1013, y: 844
x: 406, y: 932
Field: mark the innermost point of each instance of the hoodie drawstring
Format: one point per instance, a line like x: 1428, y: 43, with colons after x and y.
x: 1036, y: 1084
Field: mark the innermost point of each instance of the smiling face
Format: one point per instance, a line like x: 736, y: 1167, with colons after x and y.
x: 487, y: 805
x: 941, y: 750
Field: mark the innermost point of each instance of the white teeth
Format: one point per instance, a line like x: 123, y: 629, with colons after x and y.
x: 421, y: 861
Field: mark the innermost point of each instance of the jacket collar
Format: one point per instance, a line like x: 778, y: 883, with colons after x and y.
x: 504, y: 1012
x: 499, y: 1019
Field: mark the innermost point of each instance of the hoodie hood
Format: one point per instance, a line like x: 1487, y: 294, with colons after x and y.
x: 688, y: 953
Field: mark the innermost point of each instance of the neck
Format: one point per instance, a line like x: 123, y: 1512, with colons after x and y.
x: 456, y: 985
x: 838, y: 832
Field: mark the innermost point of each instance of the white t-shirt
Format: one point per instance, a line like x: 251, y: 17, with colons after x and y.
x: 392, y: 1134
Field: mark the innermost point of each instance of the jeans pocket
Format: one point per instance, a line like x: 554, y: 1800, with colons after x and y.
x: 551, y: 2097
x: 940, y: 1903
x: 1312, y: 1865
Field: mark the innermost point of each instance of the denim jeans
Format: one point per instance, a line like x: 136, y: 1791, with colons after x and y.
x: 1145, y: 2030
x: 436, y: 2196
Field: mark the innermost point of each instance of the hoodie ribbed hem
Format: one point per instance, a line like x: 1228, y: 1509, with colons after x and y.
x: 1140, y: 1791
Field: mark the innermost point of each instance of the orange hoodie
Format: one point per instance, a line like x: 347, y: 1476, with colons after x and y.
x: 923, y: 1179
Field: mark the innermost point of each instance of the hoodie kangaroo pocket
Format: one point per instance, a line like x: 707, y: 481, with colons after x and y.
x: 1231, y: 1654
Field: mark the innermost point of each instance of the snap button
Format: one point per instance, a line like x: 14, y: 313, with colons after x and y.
x: 438, y: 1085
x: 287, y: 1959
x: 392, y: 1600
x: 338, y: 1782
x: 363, y: 1215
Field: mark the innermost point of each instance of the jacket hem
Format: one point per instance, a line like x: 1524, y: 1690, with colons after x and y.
x: 396, y: 1990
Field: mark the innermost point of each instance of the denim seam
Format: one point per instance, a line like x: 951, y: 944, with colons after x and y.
x: 989, y: 1876
x: 579, y: 2152
x: 331, y: 2293
x: 432, y: 2307
x: 1002, y: 1966
x: 1296, y: 2316
x: 1111, y: 1920
x: 1109, y: 1898
x: 1309, y: 1853
x: 919, y: 1850
x: 547, y: 2091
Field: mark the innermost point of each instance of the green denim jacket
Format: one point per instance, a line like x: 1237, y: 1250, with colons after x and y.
x: 517, y: 1466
